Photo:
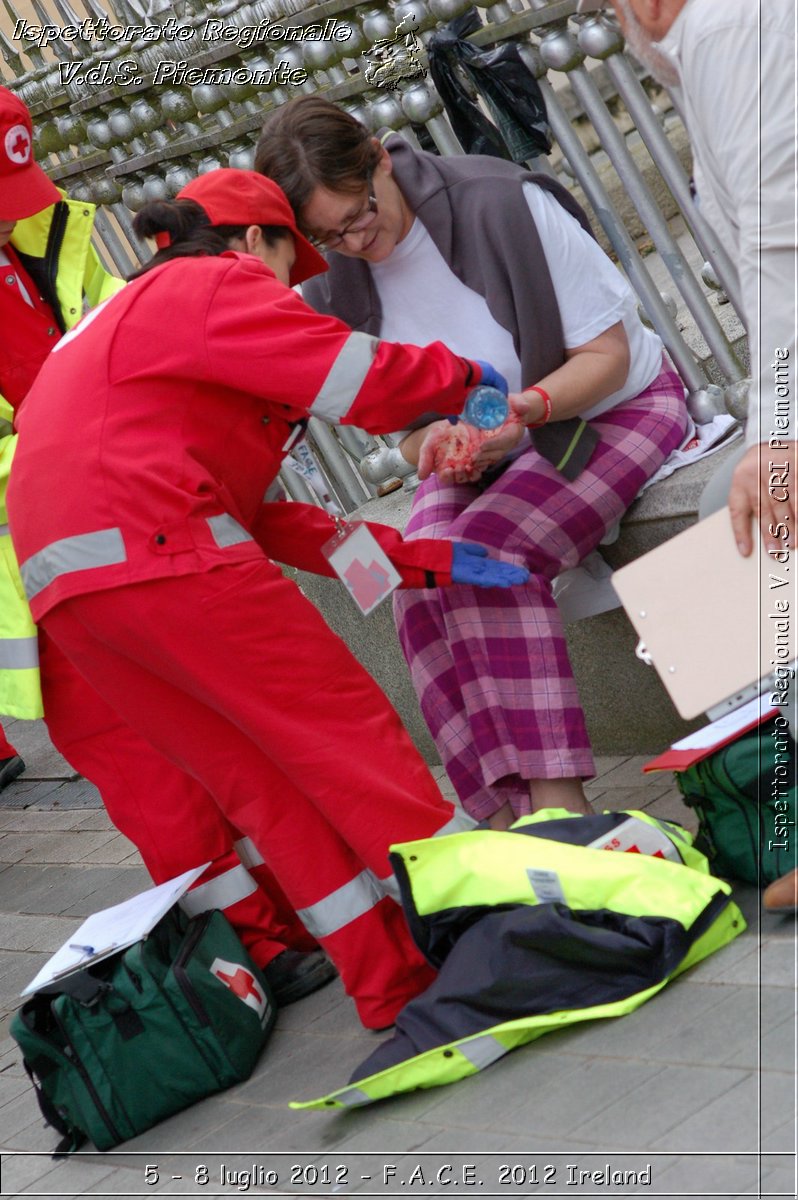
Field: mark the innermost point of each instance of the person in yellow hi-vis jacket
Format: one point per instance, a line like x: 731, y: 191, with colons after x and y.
x: 49, y: 275
x: 48, y: 268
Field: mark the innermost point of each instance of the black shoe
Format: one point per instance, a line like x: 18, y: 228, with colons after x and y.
x: 10, y: 768
x: 294, y: 974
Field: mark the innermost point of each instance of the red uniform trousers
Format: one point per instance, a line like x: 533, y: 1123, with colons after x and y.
x: 165, y: 813
x: 208, y: 667
x: 6, y: 749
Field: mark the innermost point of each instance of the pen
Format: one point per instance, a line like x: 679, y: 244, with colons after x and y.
x: 89, y: 951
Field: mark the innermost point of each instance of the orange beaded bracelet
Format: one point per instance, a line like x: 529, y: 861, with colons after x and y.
x: 546, y: 407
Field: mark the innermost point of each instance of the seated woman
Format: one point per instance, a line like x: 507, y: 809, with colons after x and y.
x: 473, y: 250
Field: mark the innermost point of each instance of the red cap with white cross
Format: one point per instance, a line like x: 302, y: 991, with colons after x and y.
x: 24, y: 187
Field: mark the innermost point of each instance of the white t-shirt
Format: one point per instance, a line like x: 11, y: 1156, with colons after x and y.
x: 423, y: 300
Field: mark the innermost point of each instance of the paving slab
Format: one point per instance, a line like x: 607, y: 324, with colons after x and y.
x: 721, y: 1175
x: 702, y: 1065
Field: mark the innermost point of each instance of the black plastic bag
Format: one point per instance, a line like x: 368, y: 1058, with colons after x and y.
x: 508, y: 87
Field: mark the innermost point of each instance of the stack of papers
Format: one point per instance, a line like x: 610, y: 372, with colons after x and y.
x: 706, y: 741
x: 113, y: 929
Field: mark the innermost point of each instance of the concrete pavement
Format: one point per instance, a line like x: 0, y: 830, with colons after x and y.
x: 691, y: 1095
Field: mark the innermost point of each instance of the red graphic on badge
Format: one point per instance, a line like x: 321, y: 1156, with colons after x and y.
x: 358, y: 559
x: 18, y: 144
x: 242, y: 983
x: 368, y: 584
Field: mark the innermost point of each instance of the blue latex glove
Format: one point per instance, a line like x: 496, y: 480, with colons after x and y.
x: 472, y: 564
x: 493, y: 378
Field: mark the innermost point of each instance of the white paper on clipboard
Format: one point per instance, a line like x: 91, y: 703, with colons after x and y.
x: 113, y: 929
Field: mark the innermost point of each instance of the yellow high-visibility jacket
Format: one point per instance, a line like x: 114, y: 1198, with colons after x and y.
x: 537, y: 928
x: 80, y: 282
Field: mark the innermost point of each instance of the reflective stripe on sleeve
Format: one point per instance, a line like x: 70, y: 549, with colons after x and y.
x: 82, y: 552
x: 481, y: 1051
x: 228, y: 888
x: 248, y: 852
x: 346, y: 377
x: 19, y: 654
x: 342, y: 906
x: 3, y: 530
x: 227, y: 531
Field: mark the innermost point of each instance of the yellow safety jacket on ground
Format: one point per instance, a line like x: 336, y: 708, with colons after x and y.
x: 537, y: 928
x: 59, y: 236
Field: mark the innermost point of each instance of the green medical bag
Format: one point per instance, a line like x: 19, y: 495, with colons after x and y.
x: 118, y: 1046
x: 745, y: 795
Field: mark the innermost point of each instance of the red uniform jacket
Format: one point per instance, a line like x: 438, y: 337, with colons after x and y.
x: 188, y: 384
x: 30, y: 332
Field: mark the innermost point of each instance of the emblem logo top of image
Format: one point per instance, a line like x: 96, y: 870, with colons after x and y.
x: 396, y: 58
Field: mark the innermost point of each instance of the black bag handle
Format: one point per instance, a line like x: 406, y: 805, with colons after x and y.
x: 82, y: 986
x: 72, y: 1138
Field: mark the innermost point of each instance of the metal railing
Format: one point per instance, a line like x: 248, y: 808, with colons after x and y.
x: 130, y: 102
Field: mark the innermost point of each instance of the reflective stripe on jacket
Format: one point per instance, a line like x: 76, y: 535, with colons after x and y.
x: 20, y: 689
x: 537, y: 928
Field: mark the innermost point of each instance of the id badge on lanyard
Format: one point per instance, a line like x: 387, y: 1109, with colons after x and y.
x: 361, y: 564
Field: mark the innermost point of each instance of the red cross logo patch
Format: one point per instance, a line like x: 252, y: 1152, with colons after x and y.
x: 242, y: 983
x: 18, y: 145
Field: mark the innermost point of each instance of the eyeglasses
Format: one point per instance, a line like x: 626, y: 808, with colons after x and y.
x: 334, y: 237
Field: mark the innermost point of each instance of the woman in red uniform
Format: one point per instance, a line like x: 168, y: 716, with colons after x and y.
x: 152, y: 576
x: 49, y: 269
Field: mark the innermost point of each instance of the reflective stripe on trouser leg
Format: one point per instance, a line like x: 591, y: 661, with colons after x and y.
x: 286, y: 925
x: 359, y: 944
x: 253, y: 911
x: 222, y: 891
x: 169, y: 817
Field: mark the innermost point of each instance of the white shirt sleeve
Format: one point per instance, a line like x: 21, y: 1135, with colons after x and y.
x: 591, y: 292
x: 741, y: 84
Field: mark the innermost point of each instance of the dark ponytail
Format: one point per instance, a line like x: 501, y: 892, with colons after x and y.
x: 190, y: 231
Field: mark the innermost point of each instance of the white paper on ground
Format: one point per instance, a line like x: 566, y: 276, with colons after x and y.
x: 699, y: 441
x: 586, y: 590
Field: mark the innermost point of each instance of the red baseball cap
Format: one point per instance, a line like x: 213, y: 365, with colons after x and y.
x: 233, y: 196
x: 24, y: 187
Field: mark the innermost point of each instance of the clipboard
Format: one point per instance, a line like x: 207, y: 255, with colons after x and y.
x: 714, y: 624
x: 113, y: 929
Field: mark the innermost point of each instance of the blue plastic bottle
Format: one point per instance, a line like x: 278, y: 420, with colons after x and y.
x: 486, y: 407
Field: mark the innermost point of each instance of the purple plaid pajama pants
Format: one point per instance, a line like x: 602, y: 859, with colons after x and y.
x: 490, y: 667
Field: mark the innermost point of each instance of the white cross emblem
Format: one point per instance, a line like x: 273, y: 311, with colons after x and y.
x: 17, y: 144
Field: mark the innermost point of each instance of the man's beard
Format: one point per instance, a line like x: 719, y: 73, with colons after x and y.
x: 644, y: 49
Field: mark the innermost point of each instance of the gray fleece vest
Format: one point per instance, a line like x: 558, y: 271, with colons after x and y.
x: 494, y: 249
